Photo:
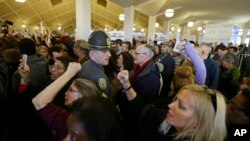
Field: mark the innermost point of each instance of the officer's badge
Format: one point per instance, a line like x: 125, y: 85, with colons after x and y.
x: 102, y: 83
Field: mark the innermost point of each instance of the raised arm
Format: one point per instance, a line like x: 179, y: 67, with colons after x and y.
x: 47, y: 95
x: 123, y: 77
x: 200, y: 68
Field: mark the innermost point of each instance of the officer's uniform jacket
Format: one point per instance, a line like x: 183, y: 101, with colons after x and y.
x: 95, y: 72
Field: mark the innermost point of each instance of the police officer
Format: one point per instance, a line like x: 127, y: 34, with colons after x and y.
x: 99, y: 55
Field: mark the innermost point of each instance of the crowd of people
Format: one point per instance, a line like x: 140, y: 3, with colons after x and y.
x: 77, y: 90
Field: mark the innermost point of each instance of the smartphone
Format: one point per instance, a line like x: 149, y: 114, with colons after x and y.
x: 24, y: 61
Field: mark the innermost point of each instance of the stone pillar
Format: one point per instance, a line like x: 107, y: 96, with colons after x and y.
x: 129, y: 23
x: 151, y: 29
x: 83, y: 19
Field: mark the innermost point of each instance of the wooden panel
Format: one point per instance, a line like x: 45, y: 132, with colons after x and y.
x: 115, y: 9
x: 33, y: 20
x: 60, y: 9
x: 41, y: 6
x: 26, y: 13
x: 65, y: 16
x: 51, y: 23
x: 11, y: 17
x: 34, y: 1
x: 4, y: 9
x: 69, y: 29
x: 66, y: 23
x: 15, y: 5
x: 55, y: 2
x: 47, y: 15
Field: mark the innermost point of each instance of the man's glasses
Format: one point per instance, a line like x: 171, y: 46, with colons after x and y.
x: 138, y: 53
x: 212, y: 94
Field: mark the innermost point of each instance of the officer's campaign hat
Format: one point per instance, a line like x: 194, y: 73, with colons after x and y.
x: 99, y: 40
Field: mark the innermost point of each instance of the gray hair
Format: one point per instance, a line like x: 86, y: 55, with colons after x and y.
x: 149, y: 50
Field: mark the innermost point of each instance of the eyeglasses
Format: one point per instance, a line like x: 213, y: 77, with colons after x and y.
x: 212, y: 94
x: 138, y: 53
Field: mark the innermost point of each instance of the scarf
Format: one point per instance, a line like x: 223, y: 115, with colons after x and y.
x: 138, y: 70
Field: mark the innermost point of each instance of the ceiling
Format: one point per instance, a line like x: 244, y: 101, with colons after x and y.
x: 32, y: 12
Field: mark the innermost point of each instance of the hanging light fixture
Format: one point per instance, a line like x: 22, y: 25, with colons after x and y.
x: 157, y: 25
x: 169, y: 13
x: 22, y: 1
x: 121, y: 17
x: 199, y: 28
x: 190, y: 24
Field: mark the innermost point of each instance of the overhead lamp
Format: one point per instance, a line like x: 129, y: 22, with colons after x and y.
x: 157, y: 25
x: 59, y: 28
x: 199, y: 28
x: 172, y: 28
x: 121, y: 17
x: 169, y: 13
x: 190, y: 24
x: 142, y: 30
x: 22, y: 1
x: 133, y: 29
x: 178, y: 30
x: 204, y: 31
x: 23, y: 26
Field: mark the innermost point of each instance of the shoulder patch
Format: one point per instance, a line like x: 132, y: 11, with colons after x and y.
x: 102, y: 83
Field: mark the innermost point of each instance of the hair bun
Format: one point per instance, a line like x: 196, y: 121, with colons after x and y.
x: 184, y: 71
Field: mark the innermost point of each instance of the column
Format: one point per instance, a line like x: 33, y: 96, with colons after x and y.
x: 177, y: 33
x: 166, y: 29
x: 244, y: 36
x: 151, y: 29
x: 83, y: 19
x: 129, y: 23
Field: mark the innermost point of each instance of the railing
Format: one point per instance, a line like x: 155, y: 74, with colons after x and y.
x: 241, y: 57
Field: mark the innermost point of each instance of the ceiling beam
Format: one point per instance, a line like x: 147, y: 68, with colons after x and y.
x: 15, y: 12
x: 144, y: 3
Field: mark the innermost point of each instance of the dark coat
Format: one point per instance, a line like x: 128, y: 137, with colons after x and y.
x: 167, y: 74
x: 20, y: 110
x: 213, y: 73
x: 143, y: 121
x: 245, y: 66
x: 3, y: 95
x: 94, y: 72
x: 147, y: 83
x: 38, y: 68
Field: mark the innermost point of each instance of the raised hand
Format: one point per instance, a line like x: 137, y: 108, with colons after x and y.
x: 73, y: 68
x: 123, y: 77
x: 24, y: 72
